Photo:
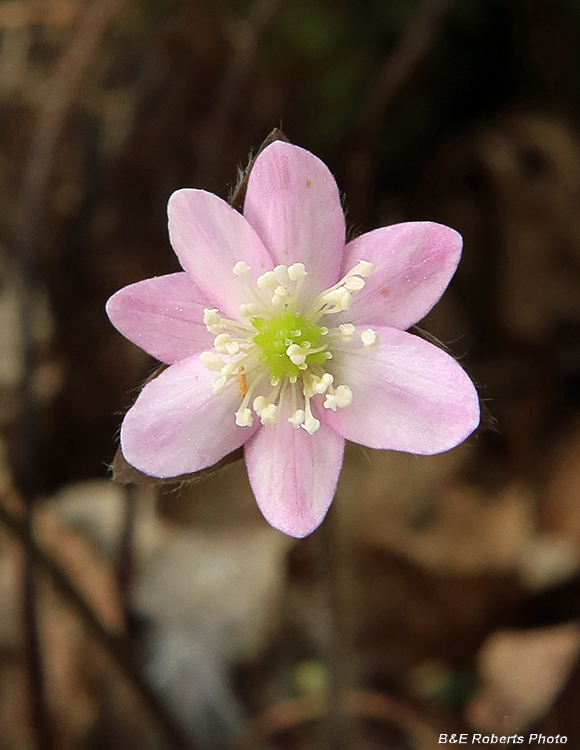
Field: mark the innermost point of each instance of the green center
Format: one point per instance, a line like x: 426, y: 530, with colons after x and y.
x: 274, y: 336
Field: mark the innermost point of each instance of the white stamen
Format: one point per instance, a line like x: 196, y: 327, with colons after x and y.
x: 281, y: 291
x: 297, y: 271
x: 344, y: 396
x: 269, y: 414
x: 241, y: 268
x: 321, y: 385
x: 330, y: 298
x: 221, y: 342
x: 340, y: 298
x: 212, y: 320
x: 354, y: 284
x: 211, y: 361
x: 282, y: 275
x: 363, y: 268
x: 347, y: 330
x: 229, y: 368
x: 268, y: 280
x: 310, y: 425
x: 249, y: 309
x: 369, y: 337
x: 297, y: 418
x: 345, y: 299
x: 260, y: 403
x: 218, y: 385
x: 341, y: 397
x: 331, y: 401
x: 244, y: 418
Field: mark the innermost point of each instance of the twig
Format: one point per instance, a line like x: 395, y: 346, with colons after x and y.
x: 411, y: 49
x: 52, y: 116
x: 245, y: 37
x: 292, y: 713
x: 115, y: 646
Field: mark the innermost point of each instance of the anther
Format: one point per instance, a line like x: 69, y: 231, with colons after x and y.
x: 347, y: 330
x: 260, y: 402
x: 321, y: 385
x: 363, y: 268
x: 218, y: 385
x: 310, y: 425
x: 211, y: 361
x: 212, y: 320
x: 248, y: 309
x: 297, y: 418
x: 268, y: 280
x: 224, y: 344
x: 354, y: 284
x: 268, y: 415
x: 241, y: 268
x: 282, y: 275
x: 344, y: 396
x: 244, y: 418
x: 297, y: 271
x: 369, y: 337
x: 341, y: 397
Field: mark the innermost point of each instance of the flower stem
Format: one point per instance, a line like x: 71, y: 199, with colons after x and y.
x: 337, y: 728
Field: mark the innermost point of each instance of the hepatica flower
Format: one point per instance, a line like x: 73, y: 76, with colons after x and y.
x: 282, y: 338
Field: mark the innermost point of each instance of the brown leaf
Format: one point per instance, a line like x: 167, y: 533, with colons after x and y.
x: 522, y: 672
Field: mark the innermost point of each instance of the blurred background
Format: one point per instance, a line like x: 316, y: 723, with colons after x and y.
x: 447, y: 600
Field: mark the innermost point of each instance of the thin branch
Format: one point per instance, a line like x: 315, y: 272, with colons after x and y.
x: 37, y: 173
x: 245, y: 36
x: 113, y: 645
x: 290, y: 714
x: 393, y: 75
x: 411, y: 49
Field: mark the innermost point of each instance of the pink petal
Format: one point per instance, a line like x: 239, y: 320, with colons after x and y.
x: 294, y: 474
x: 408, y: 395
x: 294, y: 205
x: 414, y: 263
x: 209, y: 238
x: 162, y: 315
x: 178, y: 426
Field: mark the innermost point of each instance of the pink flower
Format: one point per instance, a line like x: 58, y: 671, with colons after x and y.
x: 285, y: 340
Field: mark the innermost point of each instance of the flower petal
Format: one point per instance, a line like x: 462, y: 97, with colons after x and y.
x: 408, y: 395
x: 414, y: 263
x: 294, y: 474
x: 293, y: 203
x: 162, y: 315
x: 178, y: 426
x: 209, y: 237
